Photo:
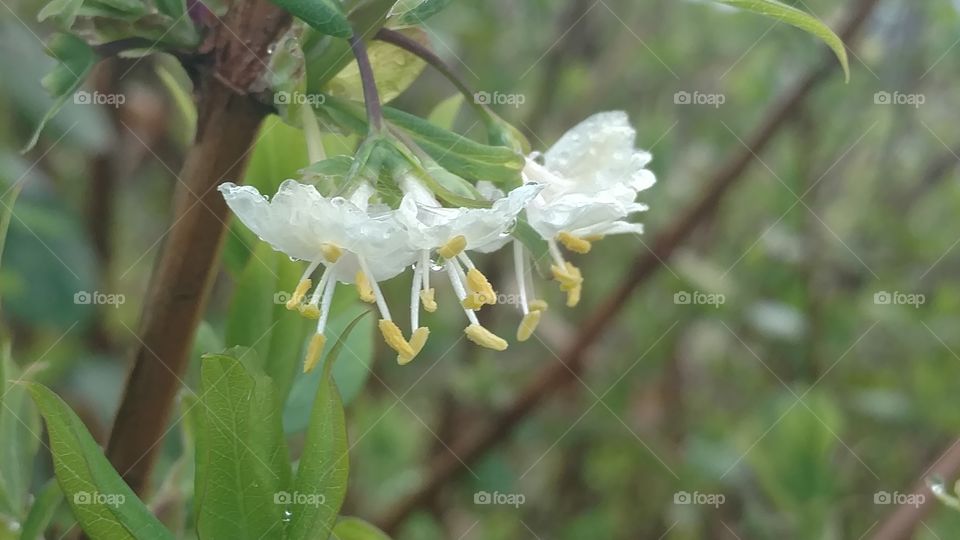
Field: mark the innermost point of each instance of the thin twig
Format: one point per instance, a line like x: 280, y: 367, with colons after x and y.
x: 371, y: 97
x: 556, y: 375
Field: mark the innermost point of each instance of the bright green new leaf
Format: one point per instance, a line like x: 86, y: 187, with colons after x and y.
x: 242, y: 453
x: 395, y: 70
x: 800, y: 19
x: 321, y: 482
x: 351, y: 528
x: 101, y: 501
x: 445, y: 113
x: 76, y: 59
x: 326, y: 16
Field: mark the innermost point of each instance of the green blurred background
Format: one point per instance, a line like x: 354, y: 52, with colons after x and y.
x: 797, y: 404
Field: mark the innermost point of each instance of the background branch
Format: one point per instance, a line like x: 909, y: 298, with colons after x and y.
x: 555, y: 376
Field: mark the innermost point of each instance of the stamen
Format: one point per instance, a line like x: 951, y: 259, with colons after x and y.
x: 298, y: 293
x: 485, y: 338
x: 394, y: 338
x: 574, y: 243
x: 518, y: 256
x: 538, y: 305
x: 528, y: 325
x: 363, y: 287
x: 331, y: 252
x: 570, y: 282
x: 453, y: 247
x: 313, y: 352
x: 311, y: 311
x: 457, y: 284
x: 417, y: 340
x: 375, y: 288
x: 429, y: 302
x: 478, y: 284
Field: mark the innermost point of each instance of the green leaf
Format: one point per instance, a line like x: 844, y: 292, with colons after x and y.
x: 445, y: 113
x: 325, y: 16
x: 250, y: 318
x: 242, y: 457
x: 800, y: 19
x: 537, y: 246
x: 101, y: 501
x: 290, y: 328
x: 351, y: 528
x: 63, y: 12
x: 418, y: 11
x: 395, y: 70
x: 321, y: 482
x: 19, y: 426
x: 44, y: 507
x: 76, y: 59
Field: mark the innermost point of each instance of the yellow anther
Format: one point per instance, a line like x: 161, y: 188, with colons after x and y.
x: 310, y: 311
x: 331, y: 252
x: 538, y: 305
x: 568, y: 276
x: 363, y: 288
x: 528, y: 325
x: 573, y: 295
x: 453, y: 247
x: 299, y: 293
x: 478, y: 284
x: 485, y: 338
x: 574, y: 243
x: 427, y: 297
x: 394, y: 338
x: 417, y: 341
x: 473, y: 301
x: 313, y: 352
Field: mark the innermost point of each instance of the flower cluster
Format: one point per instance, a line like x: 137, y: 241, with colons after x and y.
x: 581, y: 189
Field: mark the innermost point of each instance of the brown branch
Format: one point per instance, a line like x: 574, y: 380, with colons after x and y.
x: 556, y: 375
x: 228, y: 120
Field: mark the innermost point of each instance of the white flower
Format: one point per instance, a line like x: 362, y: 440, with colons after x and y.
x: 591, y: 178
x: 354, y: 243
x: 451, y: 232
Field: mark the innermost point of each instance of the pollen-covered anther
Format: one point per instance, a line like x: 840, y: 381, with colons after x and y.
x: 573, y: 296
x: 569, y: 276
x: 417, y: 341
x: 538, y: 305
x: 479, y: 285
x: 528, y: 325
x: 427, y: 296
x: 473, y: 301
x: 576, y: 244
x: 313, y: 352
x: 298, y: 294
x: 331, y: 252
x: 363, y: 288
x: 310, y: 311
x: 453, y: 247
x: 485, y: 338
x: 394, y: 338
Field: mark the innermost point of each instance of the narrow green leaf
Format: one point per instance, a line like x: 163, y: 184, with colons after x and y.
x: 351, y: 528
x: 101, y: 501
x: 19, y: 425
x: 418, y: 11
x: 76, y: 59
x: 445, y: 113
x: 242, y: 453
x: 289, y: 330
x: 44, y: 507
x: 321, y: 482
x: 537, y: 246
x: 63, y: 12
x: 800, y: 19
x: 326, y: 16
x: 395, y: 69
x: 250, y: 317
